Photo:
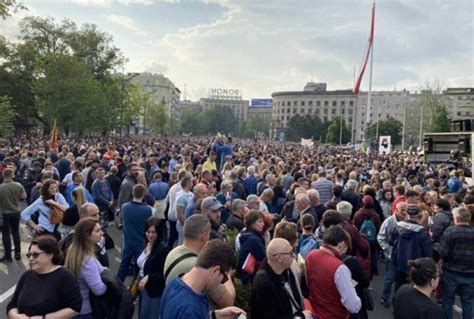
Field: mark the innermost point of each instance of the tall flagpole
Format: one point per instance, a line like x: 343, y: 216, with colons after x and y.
x: 369, y: 94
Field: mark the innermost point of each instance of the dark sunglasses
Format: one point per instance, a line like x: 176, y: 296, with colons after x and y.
x: 34, y: 255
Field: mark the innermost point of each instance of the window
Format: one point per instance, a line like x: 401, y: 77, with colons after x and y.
x: 310, y: 111
x: 318, y: 103
x: 351, y: 103
x: 343, y: 111
x: 317, y: 112
x: 288, y: 110
x: 310, y: 103
x: 334, y: 103
x: 287, y: 117
x: 282, y: 117
x: 333, y: 111
x: 288, y: 103
x: 343, y: 103
x: 325, y: 111
x: 326, y: 103
x: 295, y: 103
x: 301, y: 111
x: 294, y: 110
x: 302, y: 103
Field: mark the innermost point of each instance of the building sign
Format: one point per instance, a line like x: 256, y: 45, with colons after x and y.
x: 233, y: 94
x: 261, y: 102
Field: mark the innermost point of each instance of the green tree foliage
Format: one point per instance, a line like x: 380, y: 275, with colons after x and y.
x: 157, y: 119
x: 9, y: 6
x: 440, y: 119
x: 60, y: 71
x: 6, y: 118
x: 220, y: 119
x: 192, y: 121
x: 333, y: 132
x: 255, y: 124
x: 390, y: 127
x: 308, y: 126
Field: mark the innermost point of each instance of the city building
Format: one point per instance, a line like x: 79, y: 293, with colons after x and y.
x: 460, y: 103
x: 314, y: 99
x: 261, y: 108
x: 162, y: 91
x: 231, y: 98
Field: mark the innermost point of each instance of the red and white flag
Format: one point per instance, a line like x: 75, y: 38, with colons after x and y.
x: 367, y: 53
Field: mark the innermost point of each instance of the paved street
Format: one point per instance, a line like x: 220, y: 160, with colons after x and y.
x: 11, y: 272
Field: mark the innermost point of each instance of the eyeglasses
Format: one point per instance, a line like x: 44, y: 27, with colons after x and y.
x: 291, y: 254
x: 34, y: 255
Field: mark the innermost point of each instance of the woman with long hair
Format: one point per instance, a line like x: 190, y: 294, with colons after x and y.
x: 151, y: 263
x: 50, y: 197
x: 71, y: 215
x: 82, y: 262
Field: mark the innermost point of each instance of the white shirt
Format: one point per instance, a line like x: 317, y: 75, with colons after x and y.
x: 171, y: 200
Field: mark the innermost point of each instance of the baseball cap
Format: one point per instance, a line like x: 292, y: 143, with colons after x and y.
x: 413, y: 210
x: 210, y: 202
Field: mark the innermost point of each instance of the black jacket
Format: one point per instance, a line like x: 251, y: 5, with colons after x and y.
x: 269, y: 297
x: 153, y: 268
x: 115, y: 303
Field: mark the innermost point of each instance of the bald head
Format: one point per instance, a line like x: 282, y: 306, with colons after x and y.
x: 277, y: 246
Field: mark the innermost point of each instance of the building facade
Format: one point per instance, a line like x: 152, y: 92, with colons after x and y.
x: 162, y: 91
x: 460, y: 102
x: 314, y: 99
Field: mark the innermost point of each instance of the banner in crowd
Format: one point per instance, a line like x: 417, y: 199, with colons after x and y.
x: 385, y: 144
x: 307, y: 142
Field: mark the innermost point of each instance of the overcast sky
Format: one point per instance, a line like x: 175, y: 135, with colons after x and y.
x: 264, y: 46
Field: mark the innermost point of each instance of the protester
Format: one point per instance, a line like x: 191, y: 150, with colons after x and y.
x: 81, y: 261
x: 11, y: 193
x: 413, y: 301
x: 46, y: 290
x: 184, y: 297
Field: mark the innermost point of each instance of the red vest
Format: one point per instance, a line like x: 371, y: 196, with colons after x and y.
x: 323, y: 295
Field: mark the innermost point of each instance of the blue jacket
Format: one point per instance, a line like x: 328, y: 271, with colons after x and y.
x: 222, y: 151
x: 253, y: 243
x: 454, y: 184
x: 441, y: 221
x: 250, y: 183
x: 410, y: 241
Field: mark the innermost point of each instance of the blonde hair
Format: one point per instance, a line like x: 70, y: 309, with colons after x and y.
x: 79, y: 196
x: 81, y: 247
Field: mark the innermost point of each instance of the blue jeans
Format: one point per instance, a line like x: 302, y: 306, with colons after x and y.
x: 149, y: 307
x: 389, y: 278
x: 128, y: 254
x: 173, y: 235
x: 180, y: 231
x: 454, y: 282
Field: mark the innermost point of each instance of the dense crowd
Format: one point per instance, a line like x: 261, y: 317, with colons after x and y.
x: 205, y: 221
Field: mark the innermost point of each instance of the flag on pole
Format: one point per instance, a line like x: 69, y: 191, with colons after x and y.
x: 367, y: 53
x: 53, y: 142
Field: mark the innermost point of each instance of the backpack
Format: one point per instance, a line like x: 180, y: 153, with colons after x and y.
x: 369, y: 230
x: 308, y: 244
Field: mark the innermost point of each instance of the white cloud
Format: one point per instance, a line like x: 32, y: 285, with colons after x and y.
x: 125, y: 22
x: 102, y: 3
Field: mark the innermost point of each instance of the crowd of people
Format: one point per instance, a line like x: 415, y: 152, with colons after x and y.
x: 301, y: 231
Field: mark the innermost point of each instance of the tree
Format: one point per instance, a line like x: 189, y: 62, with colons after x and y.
x: 6, y: 120
x: 254, y: 125
x: 390, y: 127
x: 220, y: 119
x: 334, y: 131
x: 9, y: 6
x: 441, y: 121
x: 157, y: 119
x: 308, y: 126
x: 192, y: 121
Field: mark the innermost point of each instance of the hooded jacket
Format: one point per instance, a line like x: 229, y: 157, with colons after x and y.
x: 253, y: 243
x: 410, y: 241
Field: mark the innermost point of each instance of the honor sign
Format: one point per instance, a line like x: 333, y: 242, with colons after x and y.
x: 225, y: 94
